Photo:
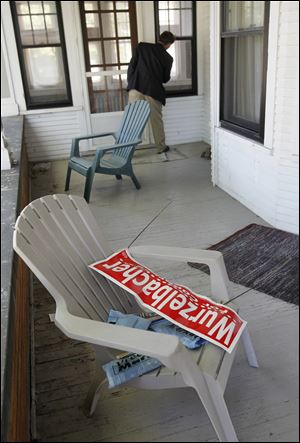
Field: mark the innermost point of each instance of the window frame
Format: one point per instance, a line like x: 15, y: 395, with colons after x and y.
x: 242, y: 126
x: 101, y: 40
x: 194, y: 89
x: 62, y: 45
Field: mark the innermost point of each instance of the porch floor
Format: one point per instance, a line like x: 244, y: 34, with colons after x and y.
x: 176, y: 206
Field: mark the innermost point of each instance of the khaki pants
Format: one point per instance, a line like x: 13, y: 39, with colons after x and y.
x: 155, y: 117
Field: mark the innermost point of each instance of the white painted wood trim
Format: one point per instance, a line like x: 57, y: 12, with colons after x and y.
x: 73, y: 56
x: 12, y: 52
x: 215, y: 54
x: 145, y: 15
x: 242, y: 140
x: 106, y: 73
x: 139, y: 19
x: 81, y: 67
x: 200, y: 51
x: 52, y: 110
x: 271, y: 73
x: 9, y: 107
x: 7, y: 67
x: 5, y: 158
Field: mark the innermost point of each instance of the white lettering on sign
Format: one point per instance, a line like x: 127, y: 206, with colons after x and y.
x: 196, y: 313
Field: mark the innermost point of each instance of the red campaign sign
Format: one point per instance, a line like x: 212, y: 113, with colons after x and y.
x: 196, y: 313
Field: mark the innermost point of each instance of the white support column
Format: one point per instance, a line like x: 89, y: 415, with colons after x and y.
x: 214, y: 79
x: 5, y: 158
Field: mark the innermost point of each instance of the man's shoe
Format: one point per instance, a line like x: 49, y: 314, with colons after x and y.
x: 166, y: 149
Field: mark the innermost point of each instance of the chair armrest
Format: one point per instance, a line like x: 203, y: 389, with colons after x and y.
x: 214, y: 260
x: 103, y: 134
x: 101, y: 151
x: 153, y: 344
x: 76, y: 140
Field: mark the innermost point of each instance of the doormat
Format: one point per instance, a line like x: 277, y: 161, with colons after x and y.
x: 262, y: 258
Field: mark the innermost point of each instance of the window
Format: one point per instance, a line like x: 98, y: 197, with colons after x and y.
x: 243, y: 68
x: 180, y: 19
x: 110, y: 35
x: 42, y: 53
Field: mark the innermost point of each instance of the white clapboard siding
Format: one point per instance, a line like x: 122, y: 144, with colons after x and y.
x: 48, y: 135
x: 183, y: 120
x: 247, y: 174
x: 267, y: 181
x: 286, y: 125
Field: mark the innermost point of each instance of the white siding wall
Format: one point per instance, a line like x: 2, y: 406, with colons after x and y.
x: 286, y: 121
x: 183, y: 120
x: 48, y: 135
x: 267, y: 180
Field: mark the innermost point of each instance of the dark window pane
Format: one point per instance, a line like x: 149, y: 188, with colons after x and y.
x: 121, y: 5
x: 45, y: 75
x: 35, y: 7
x: 174, y: 5
x: 181, y: 74
x: 110, y: 51
x: 92, y: 25
x: 25, y: 29
x: 186, y: 4
x: 163, y: 20
x: 95, y: 53
x: 123, y: 24
x: 98, y: 81
x: 107, y: 5
x: 52, y: 29
x: 125, y: 51
x: 39, y: 30
x: 186, y: 23
x: 108, y: 25
x: 22, y: 7
x: 243, y: 15
x: 243, y: 73
x: 91, y: 6
x: 49, y: 7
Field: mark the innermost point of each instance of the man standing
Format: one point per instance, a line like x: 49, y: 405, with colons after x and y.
x: 149, y: 68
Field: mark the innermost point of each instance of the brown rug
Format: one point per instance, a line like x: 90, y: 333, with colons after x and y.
x: 262, y: 258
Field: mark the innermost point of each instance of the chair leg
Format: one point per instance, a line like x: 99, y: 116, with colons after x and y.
x: 119, y: 177
x: 135, y: 181
x: 68, y: 179
x: 213, y: 401
x: 249, y: 349
x: 97, y: 389
x: 88, y: 185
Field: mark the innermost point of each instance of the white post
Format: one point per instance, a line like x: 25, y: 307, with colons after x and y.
x: 5, y: 158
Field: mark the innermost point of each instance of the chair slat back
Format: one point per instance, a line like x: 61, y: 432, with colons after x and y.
x: 133, y: 123
x: 57, y: 237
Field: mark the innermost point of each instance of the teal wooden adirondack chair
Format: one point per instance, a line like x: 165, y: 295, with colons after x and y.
x: 114, y: 159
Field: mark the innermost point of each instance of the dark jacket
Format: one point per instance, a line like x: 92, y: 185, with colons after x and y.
x: 148, y: 69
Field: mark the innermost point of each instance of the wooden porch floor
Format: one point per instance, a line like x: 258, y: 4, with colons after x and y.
x: 177, y: 206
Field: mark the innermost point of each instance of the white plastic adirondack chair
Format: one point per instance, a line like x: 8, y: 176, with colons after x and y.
x: 58, y: 237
